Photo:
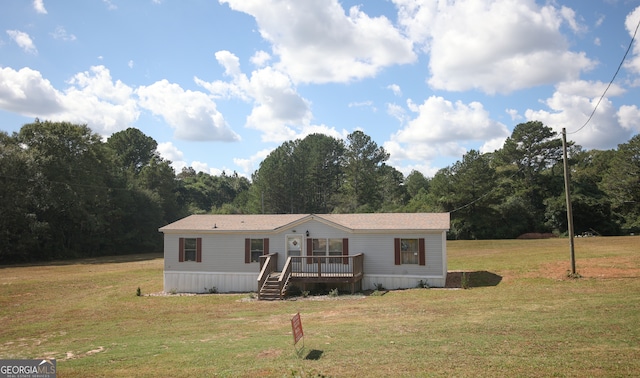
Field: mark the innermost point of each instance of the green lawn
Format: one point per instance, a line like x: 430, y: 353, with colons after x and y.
x: 525, y: 319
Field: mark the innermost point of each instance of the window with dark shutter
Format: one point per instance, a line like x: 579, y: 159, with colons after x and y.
x: 254, y: 248
x: 190, y: 249
x: 409, y: 251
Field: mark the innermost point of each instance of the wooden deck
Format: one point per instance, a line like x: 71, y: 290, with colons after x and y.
x: 312, y: 269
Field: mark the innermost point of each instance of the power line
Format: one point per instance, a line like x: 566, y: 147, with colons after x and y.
x: 610, y: 82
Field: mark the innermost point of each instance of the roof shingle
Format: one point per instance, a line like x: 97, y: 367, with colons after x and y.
x: 272, y: 222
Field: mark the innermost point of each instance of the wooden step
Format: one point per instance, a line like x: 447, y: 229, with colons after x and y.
x: 271, y: 289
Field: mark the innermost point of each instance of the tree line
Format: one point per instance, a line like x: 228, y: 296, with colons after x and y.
x: 67, y: 193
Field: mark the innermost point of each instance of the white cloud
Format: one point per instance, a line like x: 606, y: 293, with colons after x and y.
x: 363, y: 104
x: 260, y: 58
x: 26, y: 92
x: 250, y: 164
x: 443, y: 128
x: 110, y: 5
x: 239, y: 85
x: 397, y: 112
x: 199, y: 166
x: 513, y: 113
x: 279, y: 109
x: 170, y: 152
x: 631, y: 23
x: 395, y: 88
x: 496, y: 46
x: 570, y: 107
x: 440, y: 120
x: 38, y: 5
x: 417, y: 19
x: 61, y: 34
x: 569, y: 15
x: 318, y: 43
x: 95, y: 99
x: 192, y: 114
x: 130, y: 64
x: 492, y: 145
x: 426, y: 169
x: 629, y: 117
x: 91, y: 97
x: 23, y: 40
x: 230, y: 62
x: 279, y: 112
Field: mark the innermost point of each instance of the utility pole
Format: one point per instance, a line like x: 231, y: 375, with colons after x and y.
x: 568, y: 197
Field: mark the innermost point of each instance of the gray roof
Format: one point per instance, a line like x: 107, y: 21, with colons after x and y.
x: 274, y: 222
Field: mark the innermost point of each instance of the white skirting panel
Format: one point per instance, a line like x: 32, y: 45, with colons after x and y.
x: 390, y: 282
x: 202, y: 282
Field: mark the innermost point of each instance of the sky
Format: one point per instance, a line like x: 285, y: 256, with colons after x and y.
x: 220, y: 84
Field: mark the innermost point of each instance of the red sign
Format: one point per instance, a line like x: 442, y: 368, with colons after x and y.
x: 296, y: 326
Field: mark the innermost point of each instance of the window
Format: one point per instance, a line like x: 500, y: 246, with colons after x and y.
x: 335, y: 249
x: 190, y: 249
x: 328, y: 247
x: 319, y: 247
x: 257, y: 249
x: 409, y: 251
x: 254, y: 248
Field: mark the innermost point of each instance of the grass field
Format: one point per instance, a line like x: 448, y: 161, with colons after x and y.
x: 527, y: 320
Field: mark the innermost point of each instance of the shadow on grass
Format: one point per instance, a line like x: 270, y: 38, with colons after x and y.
x: 314, y: 355
x: 114, y: 259
x: 480, y: 278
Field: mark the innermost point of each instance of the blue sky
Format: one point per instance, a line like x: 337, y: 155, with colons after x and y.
x: 220, y: 84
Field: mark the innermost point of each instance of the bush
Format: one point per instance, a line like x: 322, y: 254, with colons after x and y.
x: 212, y: 290
x: 464, y: 281
x: 334, y: 292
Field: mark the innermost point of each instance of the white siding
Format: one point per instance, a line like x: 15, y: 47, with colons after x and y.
x: 201, y: 282
x: 223, y: 257
x: 220, y: 253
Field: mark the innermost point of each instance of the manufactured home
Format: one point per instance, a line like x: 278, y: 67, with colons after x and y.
x: 269, y: 254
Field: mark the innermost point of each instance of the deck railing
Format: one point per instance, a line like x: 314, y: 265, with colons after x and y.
x: 268, y: 265
x: 285, y: 276
x: 326, y: 266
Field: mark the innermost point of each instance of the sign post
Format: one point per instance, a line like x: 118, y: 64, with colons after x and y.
x: 296, y: 326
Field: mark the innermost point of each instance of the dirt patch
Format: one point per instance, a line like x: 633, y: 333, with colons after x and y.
x: 480, y: 278
x: 71, y: 355
x: 269, y: 353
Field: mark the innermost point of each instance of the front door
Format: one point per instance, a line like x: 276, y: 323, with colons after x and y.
x: 294, y: 245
